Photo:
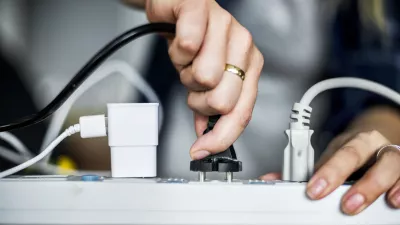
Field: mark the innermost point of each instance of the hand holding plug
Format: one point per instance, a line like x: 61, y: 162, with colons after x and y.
x: 217, y: 62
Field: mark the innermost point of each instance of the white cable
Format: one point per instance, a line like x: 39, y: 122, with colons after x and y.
x: 60, y: 115
x: 68, y: 132
x: 298, y: 163
x: 349, y: 83
x: 15, y: 143
x: 11, y: 156
x: 107, y: 69
x: 16, y: 158
x: 47, y: 168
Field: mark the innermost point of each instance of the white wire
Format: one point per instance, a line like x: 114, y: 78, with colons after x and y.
x: 46, y: 168
x: 15, y: 143
x: 349, y: 83
x: 11, y: 156
x: 68, y: 132
x: 107, y: 69
x: 59, y: 117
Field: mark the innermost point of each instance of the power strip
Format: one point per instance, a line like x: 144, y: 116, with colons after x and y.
x: 100, y: 200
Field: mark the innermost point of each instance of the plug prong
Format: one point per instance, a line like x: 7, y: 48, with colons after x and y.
x: 202, y: 176
x: 229, y: 176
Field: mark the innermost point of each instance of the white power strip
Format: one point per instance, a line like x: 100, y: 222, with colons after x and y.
x: 98, y: 200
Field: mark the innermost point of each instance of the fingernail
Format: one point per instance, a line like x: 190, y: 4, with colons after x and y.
x: 200, y: 154
x: 317, y: 188
x: 396, y: 199
x: 354, y: 203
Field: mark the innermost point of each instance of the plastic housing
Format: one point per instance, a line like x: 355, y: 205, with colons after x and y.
x: 175, y: 201
x: 133, y: 139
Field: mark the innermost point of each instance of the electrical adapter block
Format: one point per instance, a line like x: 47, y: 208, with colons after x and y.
x: 133, y: 139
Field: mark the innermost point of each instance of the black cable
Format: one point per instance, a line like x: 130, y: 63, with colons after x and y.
x: 85, y: 72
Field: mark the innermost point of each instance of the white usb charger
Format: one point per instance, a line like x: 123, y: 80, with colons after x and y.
x: 132, y: 130
x: 133, y: 139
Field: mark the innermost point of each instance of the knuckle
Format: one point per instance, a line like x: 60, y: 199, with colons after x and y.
x: 203, y: 76
x: 351, y: 153
x: 247, y: 39
x: 226, y: 18
x: 330, y: 171
x: 363, y: 137
x: 260, y: 58
x: 368, y: 136
x: 191, y: 102
x: 188, y: 45
x: 377, y: 184
x: 375, y: 134
x: 221, y: 105
x: 202, y: 3
x: 223, y: 142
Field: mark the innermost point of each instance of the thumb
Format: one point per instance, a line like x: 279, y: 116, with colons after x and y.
x: 215, y: 141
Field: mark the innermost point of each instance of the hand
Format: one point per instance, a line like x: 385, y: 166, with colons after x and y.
x: 207, y: 37
x: 345, y: 155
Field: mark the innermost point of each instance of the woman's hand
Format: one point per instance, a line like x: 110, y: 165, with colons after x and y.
x: 349, y: 153
x: 207, y: 38
x: 357, y: 149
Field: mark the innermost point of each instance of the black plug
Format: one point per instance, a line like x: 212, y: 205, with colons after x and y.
x: 225, y: 161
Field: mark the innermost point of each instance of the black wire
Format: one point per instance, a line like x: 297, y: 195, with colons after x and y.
x: 85, y: 72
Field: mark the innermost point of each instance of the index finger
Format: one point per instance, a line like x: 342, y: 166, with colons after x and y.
x: 230, y: 126
x: 192, y: 20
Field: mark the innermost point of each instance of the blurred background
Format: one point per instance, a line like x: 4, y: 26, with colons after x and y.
x: 43, y: 43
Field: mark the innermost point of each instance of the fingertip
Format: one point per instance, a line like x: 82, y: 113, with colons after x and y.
x: 200, y: 154
x: 316, y: 188
x: 353, y: 204
x: 270, y: 176
x: 210, y: 142
x: 395, y: 199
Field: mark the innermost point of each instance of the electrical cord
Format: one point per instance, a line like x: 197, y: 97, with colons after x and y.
x: 68, y: 132
x: 349, y: 82
x: 12, y: 156
x: 298, y: 164
x: 104, y: 71
x: 58, y: 118
x: 93, y: 63
x: 44, y: 168
x: 16, y: 144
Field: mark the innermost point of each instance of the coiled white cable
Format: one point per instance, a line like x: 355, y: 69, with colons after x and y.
x: 68, y: 132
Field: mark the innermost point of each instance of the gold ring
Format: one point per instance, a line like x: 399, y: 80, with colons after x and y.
x: 235, y: 70
x: 386, y: 148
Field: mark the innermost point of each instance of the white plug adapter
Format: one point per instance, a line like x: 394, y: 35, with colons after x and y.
x: 133, y: 139
x: 298, y: 159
